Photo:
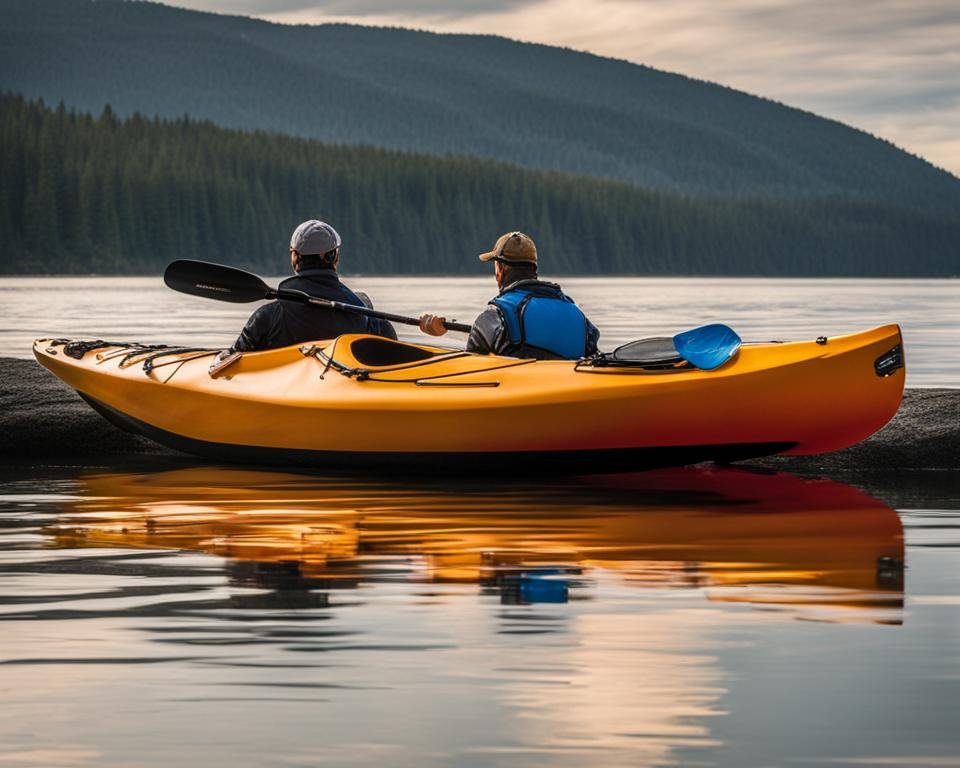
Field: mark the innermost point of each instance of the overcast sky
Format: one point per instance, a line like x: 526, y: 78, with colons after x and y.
x: 891, y: 67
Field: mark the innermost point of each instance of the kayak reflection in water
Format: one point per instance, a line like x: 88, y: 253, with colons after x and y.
x: 529, y: 318
x: 314, y: 256
x: 816, y: 548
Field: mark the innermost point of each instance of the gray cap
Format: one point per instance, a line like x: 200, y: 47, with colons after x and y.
x: 314, y: 238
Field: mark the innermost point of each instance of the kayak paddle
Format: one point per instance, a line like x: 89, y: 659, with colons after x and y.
x: 708, y: 346
x: 216, y: 281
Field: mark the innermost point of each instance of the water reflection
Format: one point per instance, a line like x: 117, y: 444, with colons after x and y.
x: 241, y: 618
x: 816, y: 548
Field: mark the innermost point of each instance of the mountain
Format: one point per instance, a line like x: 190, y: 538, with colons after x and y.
x: 530, y: 105
x: 81, y: 194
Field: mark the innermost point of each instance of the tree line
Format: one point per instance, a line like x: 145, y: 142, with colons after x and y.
x: 99, y: 194
x: 467, y: 95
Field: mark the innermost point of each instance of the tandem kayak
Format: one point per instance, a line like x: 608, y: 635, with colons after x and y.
x: 361, y: 401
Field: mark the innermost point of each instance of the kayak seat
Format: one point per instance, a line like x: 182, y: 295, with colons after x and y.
x: 659, y: 350
x: 656, y: 354
x: 376, y: 352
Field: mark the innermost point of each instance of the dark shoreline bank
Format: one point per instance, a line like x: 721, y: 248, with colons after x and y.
x: 41, y: 419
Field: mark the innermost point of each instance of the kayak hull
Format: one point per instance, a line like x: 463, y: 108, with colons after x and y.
x: 550, y: 462
x: 326, y: 405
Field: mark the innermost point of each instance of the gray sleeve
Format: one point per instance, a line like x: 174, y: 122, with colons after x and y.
x: 486, y: 335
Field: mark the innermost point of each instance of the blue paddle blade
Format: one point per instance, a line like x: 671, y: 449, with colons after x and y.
x: 708, y: 346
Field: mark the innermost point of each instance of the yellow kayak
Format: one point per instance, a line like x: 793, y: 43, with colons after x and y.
x: 360, y: 401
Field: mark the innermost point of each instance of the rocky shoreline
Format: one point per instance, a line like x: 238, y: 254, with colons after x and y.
x: 42, y: 419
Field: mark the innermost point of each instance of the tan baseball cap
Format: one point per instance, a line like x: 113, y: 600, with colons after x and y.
x: 513, y: 247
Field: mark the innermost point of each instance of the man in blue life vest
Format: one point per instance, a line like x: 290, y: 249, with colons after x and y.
x: 314, y: 255
x: 529, y: 317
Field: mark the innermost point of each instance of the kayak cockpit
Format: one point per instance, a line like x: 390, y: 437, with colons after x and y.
x: 373, y: 358
x: 378, y: 352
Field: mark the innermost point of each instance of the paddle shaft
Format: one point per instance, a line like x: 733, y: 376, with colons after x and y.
x: 353, y: 309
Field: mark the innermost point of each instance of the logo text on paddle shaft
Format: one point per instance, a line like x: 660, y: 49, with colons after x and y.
x: 212, y: 287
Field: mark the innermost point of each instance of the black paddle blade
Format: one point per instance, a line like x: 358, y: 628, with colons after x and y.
x: 215, y: 281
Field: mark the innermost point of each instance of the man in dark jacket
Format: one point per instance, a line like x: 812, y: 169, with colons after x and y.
x: 529, y: 317
x: 314, y: 255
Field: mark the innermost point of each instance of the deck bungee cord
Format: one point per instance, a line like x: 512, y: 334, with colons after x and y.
x: 131, y: 352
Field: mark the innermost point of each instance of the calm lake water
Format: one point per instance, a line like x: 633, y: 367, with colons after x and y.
x: 163, y: 613
x: 230, y: 617
x: 143, y: 309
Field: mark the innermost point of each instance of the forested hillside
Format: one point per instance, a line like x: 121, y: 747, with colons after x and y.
x: 483, y: 96
x: 82, y: 194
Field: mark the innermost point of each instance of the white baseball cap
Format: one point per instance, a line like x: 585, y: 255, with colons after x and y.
x: 314, y: 238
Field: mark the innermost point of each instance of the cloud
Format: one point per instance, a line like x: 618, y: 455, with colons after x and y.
x: 891, y: 67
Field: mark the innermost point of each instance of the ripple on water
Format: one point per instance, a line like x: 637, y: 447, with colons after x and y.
x: 683, y: 616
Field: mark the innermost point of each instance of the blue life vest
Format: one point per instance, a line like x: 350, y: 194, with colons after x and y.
x: 545, y: 319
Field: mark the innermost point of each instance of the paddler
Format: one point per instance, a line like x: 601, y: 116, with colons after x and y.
x: 314, y: 256
x: 529, y: 317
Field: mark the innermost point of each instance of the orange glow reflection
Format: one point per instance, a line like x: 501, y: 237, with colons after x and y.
x: 817, y: 547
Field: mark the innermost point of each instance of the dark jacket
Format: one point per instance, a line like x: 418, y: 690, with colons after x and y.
x: 490, y: 334
x: 283, y: 323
